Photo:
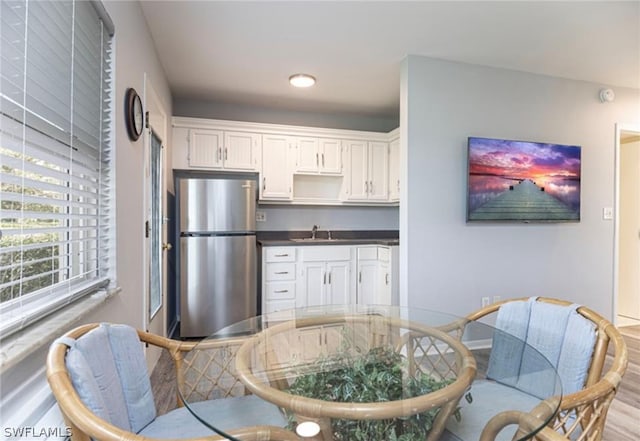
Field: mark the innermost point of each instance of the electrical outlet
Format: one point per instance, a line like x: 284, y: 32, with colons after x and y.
x: 485, y: 301
x: 261, y: 216
x: 496, y: 299
x: 607, y: 213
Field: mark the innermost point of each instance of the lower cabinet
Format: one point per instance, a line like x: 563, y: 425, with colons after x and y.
x: 295, y: 277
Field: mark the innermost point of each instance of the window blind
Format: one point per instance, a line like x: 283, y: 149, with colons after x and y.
x: 55, y: 156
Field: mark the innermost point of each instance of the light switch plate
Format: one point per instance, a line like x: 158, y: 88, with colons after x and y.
x: 261, y: 216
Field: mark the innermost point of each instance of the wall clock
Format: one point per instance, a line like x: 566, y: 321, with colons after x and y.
x: 133, y: 114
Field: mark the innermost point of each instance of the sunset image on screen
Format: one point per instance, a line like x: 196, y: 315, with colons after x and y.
x: 517, y: 180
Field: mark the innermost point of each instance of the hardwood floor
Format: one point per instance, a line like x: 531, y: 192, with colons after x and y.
x: 623, y: 421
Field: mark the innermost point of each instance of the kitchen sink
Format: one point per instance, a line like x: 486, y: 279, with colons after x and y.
x: 312, y: 240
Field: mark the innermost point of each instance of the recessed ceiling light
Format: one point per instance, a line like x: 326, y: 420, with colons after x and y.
x: 302, y: 80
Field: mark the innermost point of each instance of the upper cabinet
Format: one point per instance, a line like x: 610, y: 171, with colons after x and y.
x: 367, y: 171
x: 295, y: 165
x: 318, y: 156
x: 276, y: 181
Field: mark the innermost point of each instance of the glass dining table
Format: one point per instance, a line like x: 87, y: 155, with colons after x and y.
x: 367, y: 373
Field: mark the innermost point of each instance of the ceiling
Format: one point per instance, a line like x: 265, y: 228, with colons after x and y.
x: 243, y: 52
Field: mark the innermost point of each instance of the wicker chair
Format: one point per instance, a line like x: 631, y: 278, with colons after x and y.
x: 581, y: 415
x: 86, y: 423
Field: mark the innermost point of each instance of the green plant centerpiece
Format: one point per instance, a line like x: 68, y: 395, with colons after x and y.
x: 379, y: 375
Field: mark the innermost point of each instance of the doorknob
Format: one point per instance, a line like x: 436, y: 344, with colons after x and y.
x: 167, y: 246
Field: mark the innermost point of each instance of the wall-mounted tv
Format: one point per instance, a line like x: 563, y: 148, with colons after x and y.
x: 522, y: 181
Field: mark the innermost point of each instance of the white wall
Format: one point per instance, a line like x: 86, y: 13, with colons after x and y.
x: 448, y: 264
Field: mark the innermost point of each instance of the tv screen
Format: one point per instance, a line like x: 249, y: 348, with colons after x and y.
x: 522, y: 181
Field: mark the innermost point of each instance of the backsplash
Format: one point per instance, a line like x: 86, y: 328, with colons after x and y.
x: 280, y: 217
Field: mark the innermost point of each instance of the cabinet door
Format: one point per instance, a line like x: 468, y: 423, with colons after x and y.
x: 241, y: 150
x: 367, y: 282
x: 180, y: 148
x: 383, y: 292
x: 205, y: 148
x: 378, y: 171
x: 308, y: 156
x: 276, y: 179
x: 330, y: 156
x: 394, y: 170
x: 314, y: 280
x: 357, y: 170
x: 338, y: 282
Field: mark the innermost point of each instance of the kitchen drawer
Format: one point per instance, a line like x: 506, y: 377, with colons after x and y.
x: 281, y: 290
x: 383, y: 254
x: 325, y: 253
x: 368, y: 253
x: 278, y: 305
x: 280, y: 271
x: 280, y: 254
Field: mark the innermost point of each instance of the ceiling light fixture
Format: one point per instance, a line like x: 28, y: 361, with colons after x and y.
x: 302, y: 80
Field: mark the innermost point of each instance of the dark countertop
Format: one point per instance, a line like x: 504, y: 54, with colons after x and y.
x: 338, y: 237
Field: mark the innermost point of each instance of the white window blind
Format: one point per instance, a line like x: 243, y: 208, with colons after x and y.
x: 55, y: 156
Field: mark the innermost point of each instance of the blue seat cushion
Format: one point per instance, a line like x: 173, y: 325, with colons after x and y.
x: 224, y: 414
x: 489, y: 399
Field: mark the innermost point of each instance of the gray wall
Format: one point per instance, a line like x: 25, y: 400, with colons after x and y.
x: 304, y: 217
x: 328, y: 218
x: 237, y: 112
x: 448, y: 264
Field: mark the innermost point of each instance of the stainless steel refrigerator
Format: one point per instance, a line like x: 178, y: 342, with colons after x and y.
x: 218, y: 268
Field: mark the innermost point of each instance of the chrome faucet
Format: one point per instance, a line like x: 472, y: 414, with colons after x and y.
x: 314, y: 230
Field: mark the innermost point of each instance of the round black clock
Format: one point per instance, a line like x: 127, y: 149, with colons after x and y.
x: 133, y: 114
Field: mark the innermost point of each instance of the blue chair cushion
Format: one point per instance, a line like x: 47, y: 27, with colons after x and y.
x: 225, y: 414
x: 109, y: 372
x: 476, y: 414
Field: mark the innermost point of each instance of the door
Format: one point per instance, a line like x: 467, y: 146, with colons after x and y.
x: 330, y: 156
x: 378, y: 171
x: 241, y: 150
x: 275, y: 180
x: 628, y: 231
x: 205, y: 148
x: 357, y: 176
x: 337, y: 286
x: 156, y: 245
x: 218, y: 283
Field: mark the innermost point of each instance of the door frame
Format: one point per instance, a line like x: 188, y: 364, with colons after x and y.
x: 619, y: 128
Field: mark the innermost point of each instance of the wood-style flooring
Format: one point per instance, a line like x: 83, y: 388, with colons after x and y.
x: 623, y: 421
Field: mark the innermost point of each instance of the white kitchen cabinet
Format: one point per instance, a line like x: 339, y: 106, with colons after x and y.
x: 276, y: 179
x: 367, y: 176
x: 326, y: 275
x: 279, y: 275
x: 394, y: 170
x: 318, y: 156
x: 374, y: 285
x: 217, y: 149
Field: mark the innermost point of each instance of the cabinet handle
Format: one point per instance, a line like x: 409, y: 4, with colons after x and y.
x: 225, y: 153
x: 371, y: 186
x: 281, y: 272
x: 219, y: 153
x: 360, y: 277
x: 264, y: 184
x: 323, y: 160
x: 280, y: 291
x: 366, y: 187
x: 324, y: 279
x: 317, y: 162
x: 281, y: 255
x: 386, y: 279
x: 329, y: 278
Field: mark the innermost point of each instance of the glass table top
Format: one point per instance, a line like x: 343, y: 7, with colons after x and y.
x: 366, y: 372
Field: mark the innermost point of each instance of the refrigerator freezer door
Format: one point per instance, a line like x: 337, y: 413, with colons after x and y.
x: 217, y: 205
x: 218, y: 283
